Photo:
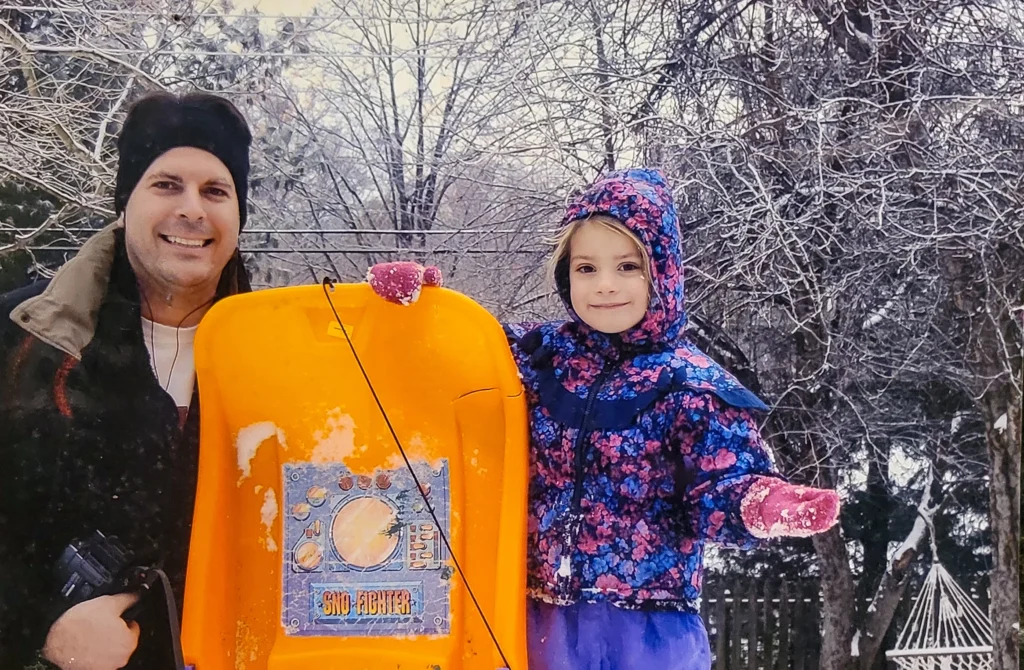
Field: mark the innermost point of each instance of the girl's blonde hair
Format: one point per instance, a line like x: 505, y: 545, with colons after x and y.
x: 563, y: 241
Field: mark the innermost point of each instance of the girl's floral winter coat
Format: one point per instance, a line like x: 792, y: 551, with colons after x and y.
x: 642, y: 447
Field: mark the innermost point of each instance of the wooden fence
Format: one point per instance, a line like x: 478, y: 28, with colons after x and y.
x: 763, y: 626
x: 776, y: 625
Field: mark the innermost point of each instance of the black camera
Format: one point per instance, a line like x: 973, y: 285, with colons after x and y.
x: 100, y: 566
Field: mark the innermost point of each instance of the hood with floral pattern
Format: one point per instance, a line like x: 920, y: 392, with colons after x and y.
x: 640, y: 199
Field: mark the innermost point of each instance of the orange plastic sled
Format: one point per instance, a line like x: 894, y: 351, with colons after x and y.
x: 312, y: 547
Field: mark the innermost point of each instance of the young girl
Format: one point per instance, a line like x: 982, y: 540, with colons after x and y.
x: 643, y: 448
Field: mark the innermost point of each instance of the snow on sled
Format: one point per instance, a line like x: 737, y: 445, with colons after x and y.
x: 315, y: 543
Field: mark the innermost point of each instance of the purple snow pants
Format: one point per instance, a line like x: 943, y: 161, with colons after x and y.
x: 599, y: 636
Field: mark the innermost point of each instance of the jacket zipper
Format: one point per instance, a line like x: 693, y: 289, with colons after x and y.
x: 572, y: 528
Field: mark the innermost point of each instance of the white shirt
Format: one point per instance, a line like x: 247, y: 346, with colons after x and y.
x: 171, y: 355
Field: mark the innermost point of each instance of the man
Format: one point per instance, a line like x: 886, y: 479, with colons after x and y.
x: 98, y: 403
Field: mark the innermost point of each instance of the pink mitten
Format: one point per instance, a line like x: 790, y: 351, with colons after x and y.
x: 773, y: 508
x: 401, y: 282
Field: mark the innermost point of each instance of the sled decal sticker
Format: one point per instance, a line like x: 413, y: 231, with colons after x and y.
x: 362, y: 555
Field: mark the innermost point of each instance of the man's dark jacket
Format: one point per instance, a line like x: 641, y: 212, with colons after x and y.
x: 88, y: 441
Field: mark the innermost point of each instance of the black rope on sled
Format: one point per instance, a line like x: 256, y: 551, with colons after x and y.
x: 328, y: 286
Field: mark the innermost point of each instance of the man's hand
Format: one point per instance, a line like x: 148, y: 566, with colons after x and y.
x: 401, y: 282
x: 773, y: 508
x: 93, y: 636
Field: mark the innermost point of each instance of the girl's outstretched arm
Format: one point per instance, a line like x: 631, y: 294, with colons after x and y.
x: 739, y: 496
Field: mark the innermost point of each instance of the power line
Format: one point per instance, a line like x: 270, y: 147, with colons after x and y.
x: 185, y: 17
x: 78, y: 48
x: 335, y: 231
x: 349, y: 250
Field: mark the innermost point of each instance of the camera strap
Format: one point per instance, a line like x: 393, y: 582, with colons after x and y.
x: 151, y: 579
